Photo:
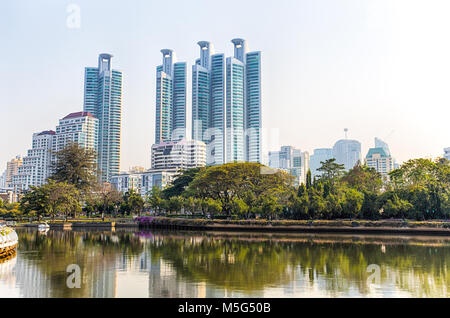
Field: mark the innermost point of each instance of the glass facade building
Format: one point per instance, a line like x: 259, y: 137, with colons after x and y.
x: 170, y: 123
x: 226, y: 103
x: 103, y: 99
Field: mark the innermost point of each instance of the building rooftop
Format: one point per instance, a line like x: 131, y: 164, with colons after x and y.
x: 373, y: 151
x: 46, y: 132
x: 78, y: 114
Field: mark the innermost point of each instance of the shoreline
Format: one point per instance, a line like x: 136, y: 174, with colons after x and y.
x: 319, y: 226
x: 381, y: 227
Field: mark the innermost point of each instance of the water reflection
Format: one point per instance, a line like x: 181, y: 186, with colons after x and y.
x: 187, y: 264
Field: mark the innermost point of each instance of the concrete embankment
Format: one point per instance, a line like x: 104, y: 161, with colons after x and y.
x: 97, y: 225
x: 352, y: 227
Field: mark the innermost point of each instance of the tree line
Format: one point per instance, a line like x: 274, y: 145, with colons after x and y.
x: 418, y: 189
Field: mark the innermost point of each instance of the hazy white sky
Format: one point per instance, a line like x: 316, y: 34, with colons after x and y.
x: 380, y: 68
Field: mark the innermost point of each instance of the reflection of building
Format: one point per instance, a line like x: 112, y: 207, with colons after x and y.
x: 291, y: 160
x: 164, y: 282
x: 319, y: 155
x: 347, y: 152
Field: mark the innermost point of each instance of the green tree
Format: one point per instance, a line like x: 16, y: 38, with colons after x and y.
x: 154, y: 199
x: 234, y: 181
x: 308, y: 179
x: 331, y: 171
x: 76, y: 165
x: 134, y: 203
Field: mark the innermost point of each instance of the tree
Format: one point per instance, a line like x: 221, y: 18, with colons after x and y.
x: 108, y: 199
x: 363, y: 178
x: 180, y: 183
x: 51, y: 199
x: 396, y: 207
x: 308, y: 179
x: 175, y: 204
x: 235, y: 181
x: 331, y: 171
x: 154, y: 199
x: 76, y: 165
x: 134, y: 202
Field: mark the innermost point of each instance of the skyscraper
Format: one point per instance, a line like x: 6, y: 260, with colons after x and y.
x: 170, y: 98
x: 235, y: 100
x: 291, y: 160
x: 226, y: 103
x: 347, y: 152
x: 319, y: 155
x: 447, y: 153
x: 381, y: 144
x: 253, y: 107
x: 103, y: 99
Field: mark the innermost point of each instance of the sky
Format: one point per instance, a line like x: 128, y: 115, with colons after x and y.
x: 379, y: 68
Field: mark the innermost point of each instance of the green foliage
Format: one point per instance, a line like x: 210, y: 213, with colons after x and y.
x: 51, y: 199
x: 76, y: 165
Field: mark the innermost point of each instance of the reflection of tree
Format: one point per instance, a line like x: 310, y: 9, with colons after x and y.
x: 94, y: 252
x: 248, y: 266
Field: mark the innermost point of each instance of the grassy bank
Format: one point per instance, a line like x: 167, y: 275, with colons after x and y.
x: 347, y: 226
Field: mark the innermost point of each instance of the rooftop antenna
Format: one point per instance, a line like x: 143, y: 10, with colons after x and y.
x: 345, y: 130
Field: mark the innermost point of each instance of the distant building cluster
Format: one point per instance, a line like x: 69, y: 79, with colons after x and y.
x: 226, y: 102
x: 291, y: 160
x: 226, y: 126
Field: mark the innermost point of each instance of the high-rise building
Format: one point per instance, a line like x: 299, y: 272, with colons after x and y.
x: 12, y: 168
x: 253, y: 107
x: 3, y: 180
x: 291, y: 160
x: 235, y: 101
x: 381, y: 144
x: 318, y: 156
x: 380, y: 160
x: 347, y: 152
x: 36, y: 167
x: 103, y: 99
x: 80, y: 128
x: 226, y: 103
x: 170, y: 121
x: 447, y: 153
x: 183, y: 154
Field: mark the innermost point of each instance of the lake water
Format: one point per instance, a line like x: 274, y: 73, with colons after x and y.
x: 215, y: 264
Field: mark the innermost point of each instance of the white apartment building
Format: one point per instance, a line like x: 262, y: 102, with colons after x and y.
x: 143, y: 182
x: 12, y: 168
x: 80, y: 128
x: 184, y: 154
x: 36, y: 165
x: 447, y: 153
x: 378, y: 159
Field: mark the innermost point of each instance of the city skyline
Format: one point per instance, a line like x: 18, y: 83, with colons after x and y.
x: 304, y: 102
